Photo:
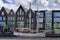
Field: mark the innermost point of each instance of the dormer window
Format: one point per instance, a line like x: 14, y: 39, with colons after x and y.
x: 20, y: 12
x: 2, y: 13
x: 11, y: 12
x: 30, y: 14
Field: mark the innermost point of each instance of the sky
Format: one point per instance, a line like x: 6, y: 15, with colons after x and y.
x: 42, y: 4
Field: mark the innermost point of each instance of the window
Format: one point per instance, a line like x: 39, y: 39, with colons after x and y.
x: 13, y: 18
x: 2, y: 13
x: 20, y: 12
x: 48, y: 14
x: 56, y: 22
x: 30, y: 15
x: 9, y: 18
x: 40, y: 14
x: 2, y: 23
x: 0, y: 18
x: 56, y: 25
x: 56, y: 19
x: 11, y: 12
x: 40, y: 22
x: 39, y: 25
x: 59, y: 25
x: 17, y: 18
x: 39, y: 19
x: 22, y: 18
x: 56, y: 14
x: 29, y: 19
x: 4, y: 18
x: 32, y: 20
x: 11, y: 25
x: 48, y: 20
x: 48, y: 26
x: 56, y: 28
x: 20, y: 24
x: 29, y: 24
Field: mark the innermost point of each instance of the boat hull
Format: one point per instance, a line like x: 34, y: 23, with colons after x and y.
x: 29, y: 34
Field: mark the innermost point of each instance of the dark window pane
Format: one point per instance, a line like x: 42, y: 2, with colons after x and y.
x: 48, y: 14
x: 20, y: 12
x: 56, y: 14
x: 40, y: 14
x: 2, y: 23
x: 4, y: 18
x: 11, y: 18
x: 56, y: 19
x: 0, y: 18
x: 2, y: 13
x: 20, y: 24
x: 39, y: 19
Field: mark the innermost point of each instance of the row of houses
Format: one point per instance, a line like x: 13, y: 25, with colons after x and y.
x: 43, y: 19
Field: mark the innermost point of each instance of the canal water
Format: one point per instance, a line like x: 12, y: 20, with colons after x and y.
x: 47, y: 38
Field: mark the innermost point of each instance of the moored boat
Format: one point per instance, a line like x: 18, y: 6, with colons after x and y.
x: 29, y: 34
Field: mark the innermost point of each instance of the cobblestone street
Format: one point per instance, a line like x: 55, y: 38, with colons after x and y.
x: 47, y: 38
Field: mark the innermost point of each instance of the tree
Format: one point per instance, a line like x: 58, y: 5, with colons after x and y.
x: 4, y: 27
x: 55, y: 25
x: 38, y: 26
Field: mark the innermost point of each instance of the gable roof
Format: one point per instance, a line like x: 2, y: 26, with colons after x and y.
x: 11, y: 11
x: 30, y: 10
x: 23, y: 8
x: 5, y: 9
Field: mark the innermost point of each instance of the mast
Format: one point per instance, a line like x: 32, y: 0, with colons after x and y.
x: 30, y: 5
x: 30, y: 16
x: 37, y: 12
x: 37, y: 6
